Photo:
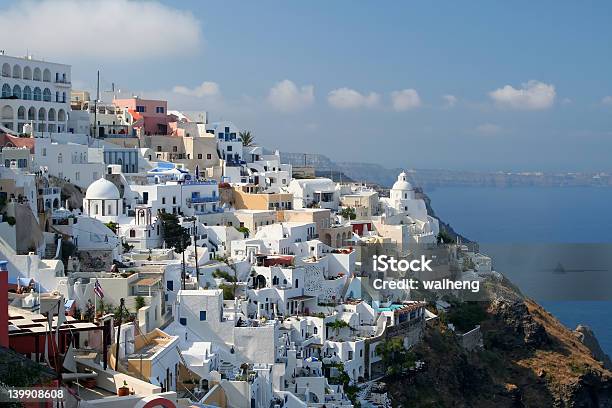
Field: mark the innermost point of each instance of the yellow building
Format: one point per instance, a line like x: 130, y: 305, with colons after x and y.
x: 247, y: 197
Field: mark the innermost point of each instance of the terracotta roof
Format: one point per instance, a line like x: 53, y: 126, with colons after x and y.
x: 14, y: 141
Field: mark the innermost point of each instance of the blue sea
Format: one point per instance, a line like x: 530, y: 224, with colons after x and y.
x: 562, y: 237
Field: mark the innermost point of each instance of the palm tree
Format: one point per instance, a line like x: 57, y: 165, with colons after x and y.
x: 247, y: 138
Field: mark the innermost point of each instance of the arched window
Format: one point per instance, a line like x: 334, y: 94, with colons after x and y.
x: 21, y: 113
x: 47, y: 95
x: 51, y: 115
x: 27, y: 73
x: 37, y: 74
x: 27, y: 93
x: 6, y: 91
x: 46, y: 75
x: 42, y: 114
x: 64, y: 97
x: 32, y: 113
x: 17, y: 71
x: 6, y: 70
x: 60, y: 158
x: 17, y: 91
x: 7, y: 112
x: 61, y: 115
x: 37, y: 94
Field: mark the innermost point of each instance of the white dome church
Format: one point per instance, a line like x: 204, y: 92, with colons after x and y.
x: 103, y: 201
x: 402, y: 189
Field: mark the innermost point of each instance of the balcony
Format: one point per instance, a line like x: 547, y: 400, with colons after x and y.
x: 200, y: 199
x: 200, y: 182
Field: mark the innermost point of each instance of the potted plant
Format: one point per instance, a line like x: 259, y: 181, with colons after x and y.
x: 123, y: 390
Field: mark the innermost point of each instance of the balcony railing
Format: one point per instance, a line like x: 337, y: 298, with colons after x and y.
x: 200, y: 199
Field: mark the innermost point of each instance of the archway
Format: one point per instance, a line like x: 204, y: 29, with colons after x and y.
x: 17, y: 91
x: 27, y: 73
x: 7, y: 112
x: 260, y: 282
x: 6, y: 70
x: 17, y: 71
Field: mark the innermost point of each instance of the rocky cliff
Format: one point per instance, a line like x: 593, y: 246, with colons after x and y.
x: 529, y: 359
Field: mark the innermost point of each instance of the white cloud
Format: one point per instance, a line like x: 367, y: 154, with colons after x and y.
x: 405, y: 99
x: 488, y: 129
x: 450, y: 100
x: 285, y: 96
x: 100, y: 30
x: 533, y: 95
x: 566, y: 101
x: 205, y: 89
x: 346, y: 98
x: 607, y: 100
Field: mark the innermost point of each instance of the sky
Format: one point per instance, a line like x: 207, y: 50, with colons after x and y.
x: 473, y: 85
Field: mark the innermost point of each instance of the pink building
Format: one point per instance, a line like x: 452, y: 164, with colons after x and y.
x: 149, y: 114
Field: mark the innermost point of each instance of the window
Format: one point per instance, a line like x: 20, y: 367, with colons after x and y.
x: 209, y: 156
x: 77, y: 176
x: 174, y: 149
x: 59, y: 158
x: 350, y: 355
x: 159, y: 109
x: 158, y: 149
x: 229, y: 148
x: 202, y: 315
x: 141, y: 108
x: 200, y: 156
x: 132, y: 233
x: 170, y: 285
x: 183, y: 321
x: 163, y: 200
x: 173, y: 200
x: 44, y: 151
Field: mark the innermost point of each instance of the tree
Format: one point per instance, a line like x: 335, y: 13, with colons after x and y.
x: 445, y: 237
x: 112, y: 226
x: 348, y: 213
x: 174, y: 235
x: 140, y: 302
x: 336, y: 325
x: 395, y: 356
x: 247, y: 138
x: 244, y: 230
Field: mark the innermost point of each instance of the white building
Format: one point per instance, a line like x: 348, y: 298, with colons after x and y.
x: 67, y: 161
x: 103, y: 201
x: 319, y: 193
x: 195, y: 197
x: 406, y: 215
x: 35, y: 92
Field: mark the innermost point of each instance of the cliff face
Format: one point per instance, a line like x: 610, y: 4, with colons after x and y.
x: 529, y: 360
